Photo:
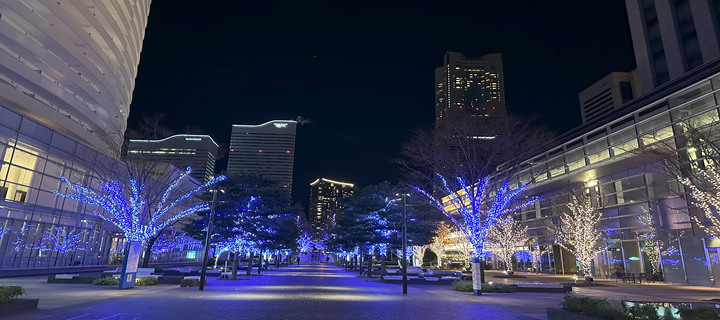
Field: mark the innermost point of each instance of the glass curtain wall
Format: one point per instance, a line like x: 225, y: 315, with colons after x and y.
x: 38, y: 228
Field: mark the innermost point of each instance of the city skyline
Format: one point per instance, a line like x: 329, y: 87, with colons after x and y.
x: 366, y: 91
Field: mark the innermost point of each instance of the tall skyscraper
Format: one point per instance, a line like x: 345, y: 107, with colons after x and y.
x: 469, y: 88
x: 671, y: 37
x: 609, y: 93
x: 268, y: 148
x: 325, y: 201
x: 182, y: 150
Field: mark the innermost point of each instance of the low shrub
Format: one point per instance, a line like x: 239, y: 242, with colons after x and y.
x: 699, y: 313
x: 8, y: 293
x: 600, y: 308
x: 146, y: 281
x: 467, y: 286
x: 106, y: 281
x: 497, y: 288
x: 644, y: 312
x: 462, y: 286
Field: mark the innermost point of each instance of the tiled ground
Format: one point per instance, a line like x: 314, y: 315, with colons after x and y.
x: 296, y: 292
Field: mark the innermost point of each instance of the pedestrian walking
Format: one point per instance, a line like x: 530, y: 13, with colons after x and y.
x: 298, y: 260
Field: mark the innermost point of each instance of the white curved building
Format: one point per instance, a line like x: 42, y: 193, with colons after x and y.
x: 71, y: 65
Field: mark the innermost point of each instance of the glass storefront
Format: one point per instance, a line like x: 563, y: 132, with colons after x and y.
x: 38, y: 228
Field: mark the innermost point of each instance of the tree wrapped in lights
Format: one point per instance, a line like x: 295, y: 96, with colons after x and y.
x: 478, y: 209
x: 461, y: 245
x: 4, y: 231
x: 706, y: 196
x: 580, y: 231
x: 174, y: 241
x: 61, y: 240
x: 305, y: 243
x: 440, y: 242
x: 419, y: 254
x: 508, y: 235
x: 130, y: 211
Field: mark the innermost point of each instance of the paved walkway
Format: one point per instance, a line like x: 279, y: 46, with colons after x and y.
x: 295, y: 292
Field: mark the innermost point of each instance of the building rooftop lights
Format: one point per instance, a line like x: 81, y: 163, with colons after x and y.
x: 188, y: 137
x: 265, y: 124
x: 331, y: 181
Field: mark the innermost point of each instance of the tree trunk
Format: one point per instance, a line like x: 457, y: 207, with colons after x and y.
x: 236, y: 263
x: 369, y: 265
x: 439, y: 260
x: 146, y: 258
x: 360, y: 262
x: 277, y: 261
x: 260, y: 261
x: 249, y: 266
x: 382, y: 265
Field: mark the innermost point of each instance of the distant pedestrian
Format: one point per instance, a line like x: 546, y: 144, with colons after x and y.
x: 298, y: 260
x: 327, y: 259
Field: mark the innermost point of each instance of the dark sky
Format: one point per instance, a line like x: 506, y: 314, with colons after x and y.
x: 362, y: 71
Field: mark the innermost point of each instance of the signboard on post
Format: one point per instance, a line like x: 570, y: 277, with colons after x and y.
x: 132, y: 258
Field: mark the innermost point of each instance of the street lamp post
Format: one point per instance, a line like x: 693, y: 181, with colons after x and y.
x: 404, y: 245
x: 207, y: 241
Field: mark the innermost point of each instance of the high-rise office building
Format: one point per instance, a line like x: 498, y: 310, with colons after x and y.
x: 325, y: 201
x: 671, y: 37
x: 268, y: 148
x: 609, y: 93
x: 67, y: 73
x: 469, y: 88
x: 182, y: 150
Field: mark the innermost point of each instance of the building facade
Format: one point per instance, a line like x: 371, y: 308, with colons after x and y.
x: 469, y: 88
x: 182, y: 150
x: 671, y: 37
x: 636, y: 197
x: 326, y: 202
x: 67, y: 73
x: 609, y: 93
x: 268, y: 148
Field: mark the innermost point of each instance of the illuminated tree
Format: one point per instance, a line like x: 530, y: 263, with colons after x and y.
x: 419, y: 254
x: 475, y: 209
x: 462, y: 245
x: 172, y: 241
x: 508, y: 235
x: 61, y: 240
x: 4, y: 231
x: 305, y: 243
x: 650, y: 241
x: 440, y: 242
x: 706, y: 196
x: 130, y: 211
x: 580, y: 231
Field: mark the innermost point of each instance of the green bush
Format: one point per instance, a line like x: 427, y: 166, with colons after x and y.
x: 644, y: 312
x: 497, y: 288
x: 462, y: 286
x: 8, y: 293
x: 106, y: 281
x: 705, y: 313
x: 467, y: 286
x: 600, y: 308
x: 146, y: 281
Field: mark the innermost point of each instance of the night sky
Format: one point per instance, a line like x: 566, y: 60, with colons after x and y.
x: 363, y: 71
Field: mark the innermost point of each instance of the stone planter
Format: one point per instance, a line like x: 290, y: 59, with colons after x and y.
x: 17, y: 306
x: 564, y: 314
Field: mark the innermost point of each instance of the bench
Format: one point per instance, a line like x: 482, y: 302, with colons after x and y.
x: 542, y: 287
x: 190, y: 282
x: 140, y: 273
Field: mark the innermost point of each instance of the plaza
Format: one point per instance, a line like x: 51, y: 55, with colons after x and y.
x: 315, y: 292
